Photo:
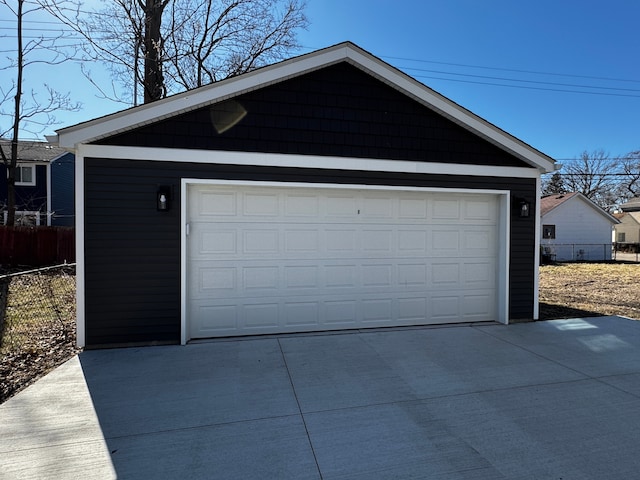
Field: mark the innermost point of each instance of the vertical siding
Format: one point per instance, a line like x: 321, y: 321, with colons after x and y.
x: 132, y: 251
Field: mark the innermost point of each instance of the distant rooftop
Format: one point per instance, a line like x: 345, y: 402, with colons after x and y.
x: 550, y: 202
x: 632, y: 205
x: 33, y: 151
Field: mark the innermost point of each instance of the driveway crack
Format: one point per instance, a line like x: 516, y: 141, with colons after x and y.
x: 304, y: 422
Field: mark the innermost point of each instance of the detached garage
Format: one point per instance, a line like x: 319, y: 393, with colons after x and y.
x: 330, y: 191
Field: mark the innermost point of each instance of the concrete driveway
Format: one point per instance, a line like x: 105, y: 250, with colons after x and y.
x: 547, y: 400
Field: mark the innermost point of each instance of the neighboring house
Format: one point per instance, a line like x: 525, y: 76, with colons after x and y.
x: 329, y: 191
x: 575, y: 228
x: 627, y: 232
x: 44, y: 189
x: 62, y: 190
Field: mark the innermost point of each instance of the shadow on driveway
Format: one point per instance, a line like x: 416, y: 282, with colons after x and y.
x: 555, y: 399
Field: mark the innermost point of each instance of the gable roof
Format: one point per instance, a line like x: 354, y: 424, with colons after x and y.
x: 33, y: 151
x: 628, y: 217
x: 132, y: 118
x: 551, y: 202
x: 632, y: 205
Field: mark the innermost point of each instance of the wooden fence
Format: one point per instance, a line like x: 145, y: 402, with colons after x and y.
x: 37, y: 246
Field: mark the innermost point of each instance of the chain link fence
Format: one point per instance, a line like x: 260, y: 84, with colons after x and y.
x: 575, y: 252
x: 37, y: 324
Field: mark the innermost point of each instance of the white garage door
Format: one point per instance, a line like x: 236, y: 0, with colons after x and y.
x: 270, y: 259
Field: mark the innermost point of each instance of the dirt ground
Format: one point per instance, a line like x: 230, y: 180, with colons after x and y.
x: 589, y: 289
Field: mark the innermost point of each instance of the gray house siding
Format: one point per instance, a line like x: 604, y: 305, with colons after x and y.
x: 132, y: 251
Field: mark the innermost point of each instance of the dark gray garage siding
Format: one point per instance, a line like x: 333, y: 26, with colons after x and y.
x: 133, y: 252
x: 337, y: 111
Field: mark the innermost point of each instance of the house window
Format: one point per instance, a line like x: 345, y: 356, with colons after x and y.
x: 549, y: 231
x: 621, y: 237
x: 26, y: 175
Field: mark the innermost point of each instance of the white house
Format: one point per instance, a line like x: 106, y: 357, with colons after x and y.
x: 627, y: 232
x: 575, y: 228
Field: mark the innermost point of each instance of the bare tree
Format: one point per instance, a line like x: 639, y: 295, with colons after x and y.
x: 595, y: 175
x: 166, y: 46
x: 630, y: 184
x: 33, y: 113
x: 210, y: 40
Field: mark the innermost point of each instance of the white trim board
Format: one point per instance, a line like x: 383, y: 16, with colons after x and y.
x: 504, y: 198
x: 136, y: 117
x: 80, y: 263
x: 302, y: 161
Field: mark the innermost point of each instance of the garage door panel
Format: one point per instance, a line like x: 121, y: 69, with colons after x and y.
x: 217, y: 243
x: 301, y: 314
x: 340, y: 241
x: 444, y: 308
x: 215, y: 203
x: 302, y: 277
x: 412, y: 310
x: 341, y: 276
x: 444, y: 242
x: 446, y: 209
x: 340, y: 206
x: 445, y: 275
x: 260, y: 204
x: 261, y: 315
x: 341, y: 312
x: 271, y: 259
x: 412, y: 209
x: 479, y: 273
x: 479, y: 209
x: 412, y: 275
x: 377, y: 311
x: 299, y: 205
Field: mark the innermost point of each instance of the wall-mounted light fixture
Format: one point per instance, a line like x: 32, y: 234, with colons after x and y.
x: 163, y: 198
x: 523, y: 208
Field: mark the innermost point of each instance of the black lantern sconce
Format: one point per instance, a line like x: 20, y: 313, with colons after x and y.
x: 163, y: 198
x: 522, y: 207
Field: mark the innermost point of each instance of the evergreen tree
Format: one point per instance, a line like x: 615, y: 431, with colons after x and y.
x: 554, y: 185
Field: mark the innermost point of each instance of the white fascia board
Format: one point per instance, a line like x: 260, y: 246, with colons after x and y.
x: 80, y: 265
x: 536, y: 254
x: 302, y: 161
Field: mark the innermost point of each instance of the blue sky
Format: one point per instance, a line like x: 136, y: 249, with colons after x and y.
x: 484, y: 56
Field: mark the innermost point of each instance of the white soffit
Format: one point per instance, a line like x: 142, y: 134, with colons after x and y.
x: 191, y: 100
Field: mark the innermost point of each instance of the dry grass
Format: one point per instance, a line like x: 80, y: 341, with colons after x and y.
x: 588, y: 289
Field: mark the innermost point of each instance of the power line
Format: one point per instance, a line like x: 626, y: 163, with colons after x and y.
x: 521, y: 80
x: 535, y: 72
x: 561, y: 90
